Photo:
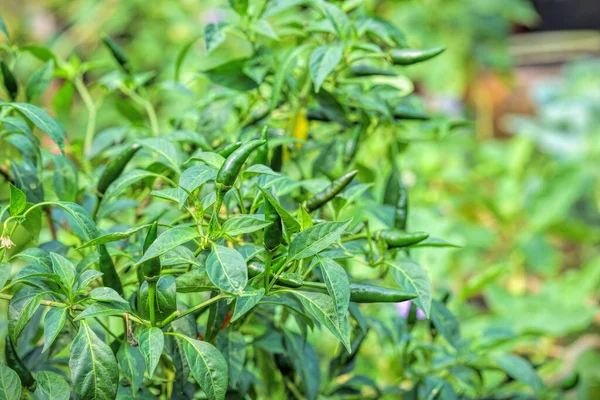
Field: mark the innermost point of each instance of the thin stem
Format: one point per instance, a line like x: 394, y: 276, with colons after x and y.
x: 268, y: 258
x: 91, y: 109
x: 151, y: 297
x: 179, y: 314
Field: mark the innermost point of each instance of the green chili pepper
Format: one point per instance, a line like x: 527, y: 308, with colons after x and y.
x: 258, y: 115
x: 14, y: 361
x: 117, y: 53
x: 262, y: 153
x: 396, y: 195
x: 277, y: 158
x: 398, y: 238
x: 369, y: 70
x: 320, y: 199
x: 404, y: 112
x: 359, y: 292
x: 107, y: 267
x: 151, y: 268
x: 351, y: 147
x: 273, y: 234
x: 413, y: 56
x: 227, y: 149
x: 115, y: 168
x: 233, y: 165
x: 10, y: 82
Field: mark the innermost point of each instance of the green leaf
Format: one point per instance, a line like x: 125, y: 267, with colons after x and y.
x: 132, y: 365
x: 323, y: 61
x: 213, y: 37
x: 166, y: 149
x: 10, y: 82
x: 106, y: 295
x: 103, y: 310
x: 20, y: 310
x: 410, y: 276
x: 285, y: 66
x: 35, y: 271
x: 338, y: 285
x: 113, y: 236
x: 208, y: 367
x: 227, y: 269
x: 233, y: 347
x: 166, y: 296
x: 192, y: 178
x: 152, y: 342
x: 264, y: 28
x: 27, y: 179
x: 289, y: 223
x: 53, y: 325
x: 4, y: 29
x: 81, y: 217
x: 520, y: 370
x: 316, y: 238
x: 39, y: 81
x: 239, y: 6
x: 243, y: 224
x: 246, y: 301
x: 93, y: 366
x: 10, y: 384
x: 168, y: 240
x: 323, y: 309
x: 231, y: 76
x: 87, y: 277
x: 63, y: 101
x: 51, y: 386
x: 43, y: 121
x: 445, y: 323
x: 17, y: 200
x: 125, y: 181
x: 339, y: 20
x: 5, y: 269
x: 64, y: 269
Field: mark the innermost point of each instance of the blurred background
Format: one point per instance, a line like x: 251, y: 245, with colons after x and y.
x: 521, y: 189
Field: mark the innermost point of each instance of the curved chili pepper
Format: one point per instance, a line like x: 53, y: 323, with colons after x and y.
x: 397, y: 238
x: 396, y: 195
x: 321, y: 198
x: 413, y: 56
x: 273, y: 234
x: 227, y: 149
x: 232, y: 166
x: 10, y: 82
x: 262, y: 153
x: 107, y: 267
x: 16, y: 364
x: 117, y: 52
x: 115, y: 168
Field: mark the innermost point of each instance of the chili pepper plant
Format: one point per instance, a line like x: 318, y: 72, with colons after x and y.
x: 205, y: 235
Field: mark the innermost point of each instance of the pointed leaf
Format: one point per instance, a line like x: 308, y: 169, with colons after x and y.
x: 168, y: 240
x: 20, y: 310
x: 93, y: 366
x: 337, y: 283
x: 43, y: 121
x: 64, y: 269
x: 227, y: 269
x: 323, y: 61
x: 316, y: 238
x: 51, y: 386
x: 411, y: 276
x: 246, y: 301
x: 17, y: 200
x: 106, y: 294
x: 243, y: 224
x: 132, y: 364
x: 233, y: 347
x: 152, y: 343
x: 10, y: 384
x: 208, y: 367
x: 53, y: 325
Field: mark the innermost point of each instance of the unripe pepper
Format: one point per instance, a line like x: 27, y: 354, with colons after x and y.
x: 227, y: 149
x: 413, y: 56
x: 232, y: 166
x: 151, y: 271
x: 396, y: 195
x: 397, y: 238
x: 10, y: 82
x: 115, y: 168
x: 273, y: 234
x: 16, y: 364
x: 117, y: 53
x: 326, y: 195
x: 110, y: 277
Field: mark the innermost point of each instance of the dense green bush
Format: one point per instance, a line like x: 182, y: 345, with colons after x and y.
x: 220, y: 222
